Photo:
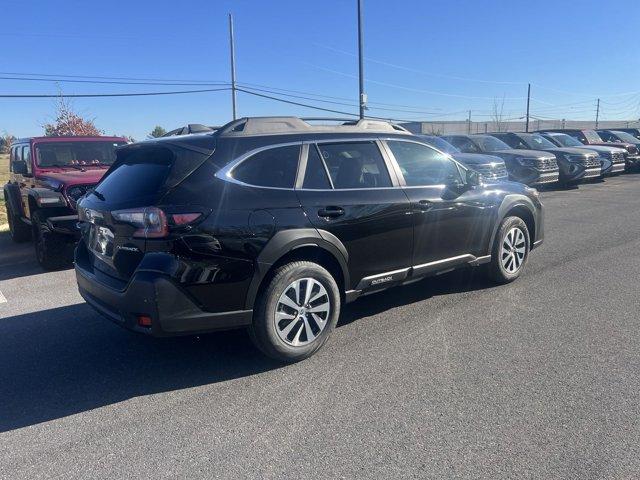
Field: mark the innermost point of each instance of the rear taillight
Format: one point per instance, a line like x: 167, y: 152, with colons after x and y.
x: 153, y: 222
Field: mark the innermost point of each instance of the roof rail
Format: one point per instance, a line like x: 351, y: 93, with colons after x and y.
x: 283, y: 125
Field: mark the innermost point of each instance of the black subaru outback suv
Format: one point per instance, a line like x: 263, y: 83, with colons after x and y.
x: 273, y: 223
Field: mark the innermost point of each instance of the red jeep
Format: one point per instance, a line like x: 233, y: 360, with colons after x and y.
x: 48, y: 176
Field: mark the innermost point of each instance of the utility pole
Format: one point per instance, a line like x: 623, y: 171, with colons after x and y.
x: 233, y: 67
x: 469, y: 123
x: 362, y: 100
x: 597, y: 112
x: 526, y: 128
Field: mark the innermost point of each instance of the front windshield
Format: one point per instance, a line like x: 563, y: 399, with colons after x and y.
x: 567, y: 140
x: 624, y: 136
x: 76, y: 154
x: 440, y: 144
x: 490, y: 144
x: 538, y: 142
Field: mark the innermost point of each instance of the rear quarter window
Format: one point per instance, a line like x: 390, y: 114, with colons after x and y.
x: 275, y: 167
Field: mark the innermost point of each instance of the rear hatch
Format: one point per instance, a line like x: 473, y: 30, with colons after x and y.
x: 124, y: 216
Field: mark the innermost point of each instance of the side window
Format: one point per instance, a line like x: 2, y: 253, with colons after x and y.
x: 275, y: 167
x: 26, y: 156
x: 421, y: 165
x: 315, y: 176
x: 355, y: 165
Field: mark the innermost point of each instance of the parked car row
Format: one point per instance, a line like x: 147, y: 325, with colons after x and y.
x: 563, y: 156
x: 273, y: 223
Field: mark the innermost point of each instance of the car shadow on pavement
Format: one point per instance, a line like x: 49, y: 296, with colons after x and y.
x: 458, y: 281
x: 68, y: 360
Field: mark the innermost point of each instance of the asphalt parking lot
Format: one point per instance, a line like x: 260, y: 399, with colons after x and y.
x: 450, y: 377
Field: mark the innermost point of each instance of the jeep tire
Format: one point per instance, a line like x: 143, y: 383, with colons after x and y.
x: 52, y: 249
x: 20, y: 231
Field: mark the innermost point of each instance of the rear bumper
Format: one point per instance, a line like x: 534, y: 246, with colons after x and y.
x: 155, y: 295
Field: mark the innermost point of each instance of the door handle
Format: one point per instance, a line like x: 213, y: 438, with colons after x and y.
x: 331, y: 212
x: 425, y: 205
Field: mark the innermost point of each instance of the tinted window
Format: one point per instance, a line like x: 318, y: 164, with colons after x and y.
x: 490, y: 144
x: 421, y: 165
x: 513, y: 141
x: 275, y: 167
x: 141, y: 176
x: 440, y: 144
x: 355, y: 165
x: 17, y: 156
x: 315, y: 176
x: 463, y: 144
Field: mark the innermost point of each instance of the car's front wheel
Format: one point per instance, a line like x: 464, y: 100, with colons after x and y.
x: 510, y: 250
x: 296, y: 312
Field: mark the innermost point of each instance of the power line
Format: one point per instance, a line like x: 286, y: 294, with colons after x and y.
x: 96, y: 95
x: 108, y: 78
x: 114, y: 82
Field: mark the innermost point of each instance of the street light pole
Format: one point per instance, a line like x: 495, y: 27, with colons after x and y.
x: 233, y: 67
x: 597, y: 112
x: 362, y: 99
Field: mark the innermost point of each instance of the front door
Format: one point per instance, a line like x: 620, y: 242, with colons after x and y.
x: 347, y: 190
x: 452, y: 222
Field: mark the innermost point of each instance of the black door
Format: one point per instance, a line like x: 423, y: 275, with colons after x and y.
x: 347, y: 190
x: 452, y: 221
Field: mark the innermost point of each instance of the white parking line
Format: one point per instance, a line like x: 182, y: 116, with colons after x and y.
x: 2, y: 298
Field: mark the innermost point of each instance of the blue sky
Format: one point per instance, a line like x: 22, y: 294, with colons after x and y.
x: 425, y: 59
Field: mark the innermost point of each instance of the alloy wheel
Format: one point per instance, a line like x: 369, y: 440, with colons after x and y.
x: 302, y: 312
x: 513, y: 250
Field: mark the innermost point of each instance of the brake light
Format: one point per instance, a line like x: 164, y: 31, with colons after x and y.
x: 151, y: 222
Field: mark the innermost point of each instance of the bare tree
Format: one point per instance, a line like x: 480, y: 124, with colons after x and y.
x: 497, y: 114
x: 6, y: 139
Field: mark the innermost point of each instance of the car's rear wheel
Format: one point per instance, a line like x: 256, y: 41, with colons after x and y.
x: 510, y: 250
x: 52, y: 249
x: 20, y: 231
x: 296, y: 312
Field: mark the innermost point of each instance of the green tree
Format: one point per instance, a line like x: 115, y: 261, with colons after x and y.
x: 158, y: 131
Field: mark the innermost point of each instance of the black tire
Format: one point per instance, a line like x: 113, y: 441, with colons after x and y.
x: 53, y: 251
x: 496, y: 270
x: 20, y: 231
x: 264, y: 332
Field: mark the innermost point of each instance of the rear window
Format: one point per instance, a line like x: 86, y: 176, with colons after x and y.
x: 141, y: 175
x: 355, y: 165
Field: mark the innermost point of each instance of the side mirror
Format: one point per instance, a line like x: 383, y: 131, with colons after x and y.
x: 19, y: 167
x: 474, y: 178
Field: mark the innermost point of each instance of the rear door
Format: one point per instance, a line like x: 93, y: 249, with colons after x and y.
x: 348, y: 190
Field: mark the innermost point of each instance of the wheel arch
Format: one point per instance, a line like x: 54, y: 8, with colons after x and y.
x: 295, y: 245
x: 519, y: 206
